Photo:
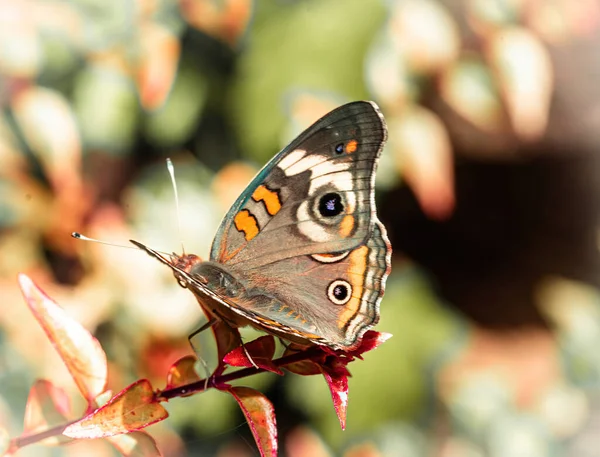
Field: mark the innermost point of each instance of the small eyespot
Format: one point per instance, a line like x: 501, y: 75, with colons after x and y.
x: 339, y: 292
x: 351, y: 147
x: 330, y: 205
x: 339, y: 149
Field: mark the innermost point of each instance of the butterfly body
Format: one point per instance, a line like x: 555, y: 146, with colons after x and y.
x: 301, y: 253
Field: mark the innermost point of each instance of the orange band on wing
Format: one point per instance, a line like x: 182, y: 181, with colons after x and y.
x: 346, y: 226
x: 351, y: 147
x: 357, y: 267
x: 269, y: 197
x: 245, y: 222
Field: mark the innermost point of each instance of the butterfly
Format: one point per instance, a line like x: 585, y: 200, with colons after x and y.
x: 301, y: 253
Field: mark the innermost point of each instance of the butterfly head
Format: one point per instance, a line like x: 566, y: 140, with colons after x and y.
x: 185, y: 262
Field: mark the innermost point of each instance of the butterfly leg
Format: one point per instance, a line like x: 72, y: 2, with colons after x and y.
x: 248, y: 354
x: 241, y: 342
x: 209, y: 324
x: 284, y: 343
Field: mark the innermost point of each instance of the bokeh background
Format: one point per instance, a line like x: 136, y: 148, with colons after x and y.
x: 489, y: 187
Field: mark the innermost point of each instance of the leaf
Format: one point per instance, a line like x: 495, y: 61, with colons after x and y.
x: 106, y: 105
x: 84, y: 357
x: 260, y: 416
x: 333, y: 366
x: 303, y: 368
x: 524, y: 69
x: 47, y: 406
x: 469, y: 88
x: 227, y: 339
x: 175, y: 121
x: 423, y: 155
x: 22, y: 54
x: 338, y: 386
x: 261, y: 350
x: 370, y: 340
x: 182, y: 372
x: 104, y: 397
x: 130, y: 410
x: 426, y: 35
x: 135, y: 444
x: 387, y: 75
x: 156, y: 72
x: 4, y: 442
x: 49, y: 126
x: 336, y: 374
x: 226, y: 20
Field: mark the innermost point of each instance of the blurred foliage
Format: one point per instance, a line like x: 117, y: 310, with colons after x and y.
x: 95, y: 94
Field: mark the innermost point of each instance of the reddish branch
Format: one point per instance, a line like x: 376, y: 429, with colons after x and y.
x: 168, y: 394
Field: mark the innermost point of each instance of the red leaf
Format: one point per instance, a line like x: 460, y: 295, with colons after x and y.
x: 260, y: 416
x: 337, y: 380
x: 226, y: 20
x: 304, y: 368
x: 370, y: 340
x: 332, y: 364
x: 130, y: 410
x: 227, y: 339
x: 182, y: 372
x: 84, y: 357
x: 47, y: 405
x: 261, y: 350
x: 158, y: 65
x: 135, y: 444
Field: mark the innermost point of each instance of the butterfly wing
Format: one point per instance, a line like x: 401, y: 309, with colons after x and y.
x: 315, y: 197
x: 303, y: 241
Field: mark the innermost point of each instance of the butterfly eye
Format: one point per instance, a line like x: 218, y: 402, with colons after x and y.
x: 330, y: 205
x: 339, y: 292
x: 339, y: 149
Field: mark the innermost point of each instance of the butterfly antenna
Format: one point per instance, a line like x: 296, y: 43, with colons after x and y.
x: 79, y: 236
x: 174, y: 183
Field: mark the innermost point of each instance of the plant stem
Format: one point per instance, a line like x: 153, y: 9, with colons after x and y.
x: 25, y: 440
x: 203, y: 384
x: 165, y: 395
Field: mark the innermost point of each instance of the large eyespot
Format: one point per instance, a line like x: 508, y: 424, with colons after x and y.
x: 339, y: 149
x: 339, y: 292
x: 330, y: 205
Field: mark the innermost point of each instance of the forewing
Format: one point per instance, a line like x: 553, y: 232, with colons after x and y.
x: 314, y: 197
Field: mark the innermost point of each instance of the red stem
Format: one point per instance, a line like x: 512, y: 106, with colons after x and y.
x: 202, y: 384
